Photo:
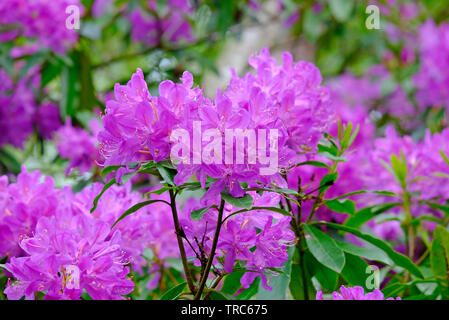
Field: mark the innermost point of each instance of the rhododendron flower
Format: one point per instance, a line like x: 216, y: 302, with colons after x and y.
x: 22, y: 204
x: 134, y: 229
x: 74, y: 243
x: 47, y: 119
x: 355, y: 293
x: 432, y: 79
x: 17, y: 107
x: 286, y: 99
x: 78, y: 145
x: 42, y: 20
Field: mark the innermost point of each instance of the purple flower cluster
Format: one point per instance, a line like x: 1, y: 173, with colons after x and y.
x: 366, y: 169
x: 21, y: 205
x: 47, y: 233
x: 355, y: 293
x: 171, y: 23
x: 78, y: 145
x: 17, y: 107
x: 134, y: 230
x: 76, y: 244
x: 286, y: 97
x: 19, y: 111
x: 43, y: 21
x: 355, y: 97
x: 432, y: 80
x: 423, y: 160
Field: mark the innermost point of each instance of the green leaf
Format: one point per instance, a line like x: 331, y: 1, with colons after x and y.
x: 232, y: 283
x: 97, y: 198
x: 134, y: 208
x: 110, y: 169
x: 287, y: 191
x: 399, y: 167
x: 50, y: 71
x: 166, y: 173
x: 226, y: 13
x: 342, y: 206
x: 86, y: 95
x: 158, y: 191
x: 3, y: 266
x: 364, y: 215
x: 353, y: 136
x: 368, y: 252
x: 438, y: 206
x: 6, y: 62
x: 250, y: 291
x: 245, y: 202
x: 332, y: 150
x: 324, y: 249
x: 341, y: 9
x: 381, y: 192
x: 399, y: 259
x: 198, y: 214
x: 439, y: 259
x: 326, y: 277
x: 443, y: 155
x: 9, y: 161
x: 317, y: 164
x: 327, y: 181
x: 301, y: 286
x: 355, y: 271
x: 69, y: 91
x: 313, y: 25
x: 174, y: 292
x: 126, y: 177
x: 32, y: 61
x: 217, y: 295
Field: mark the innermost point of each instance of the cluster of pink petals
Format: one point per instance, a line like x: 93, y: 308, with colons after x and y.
x: 426, y: 177
x: 17, y: 107
x: 432, y: 80
x: 43, y: 21
x: 62, y: 243
x: 19, y: 111
x: 423, y: 161
x: 286, y: 97
x: 78, y: 145
x: 22, y: 204
x: 46, y: 231
x: 355, y: 293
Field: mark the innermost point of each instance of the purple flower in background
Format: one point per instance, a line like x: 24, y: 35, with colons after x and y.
x: 45, y: 232
x: 78, y: 145
x: 66, y: 255
x: 43, y: 21
x: 99, y: 7
x: 355, y: 293
x: 17, y: 107
x: 169, y: 23
x: 47, y: 119
x: 134, y: 229
x: 21, y: 205
x: 432, y: 80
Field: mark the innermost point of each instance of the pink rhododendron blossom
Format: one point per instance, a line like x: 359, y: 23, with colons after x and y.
x: 41, y: 20
x: 355, y: 293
